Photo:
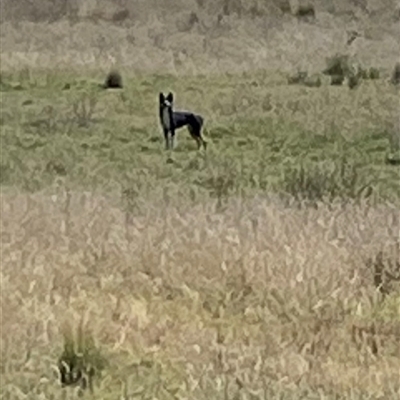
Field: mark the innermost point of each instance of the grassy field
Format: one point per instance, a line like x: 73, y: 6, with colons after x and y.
x: 264, y: 268
x: 265, y: 135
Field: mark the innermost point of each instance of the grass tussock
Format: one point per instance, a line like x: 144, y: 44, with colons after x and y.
x: 81, y: 361
x: 395, y: 79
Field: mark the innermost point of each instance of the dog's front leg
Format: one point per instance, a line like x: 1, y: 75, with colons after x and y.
x: 172, y: 139
x: 166, y: 137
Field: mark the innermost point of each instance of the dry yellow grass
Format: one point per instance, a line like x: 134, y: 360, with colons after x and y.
x: 157, y: 38
x: 271, y: 297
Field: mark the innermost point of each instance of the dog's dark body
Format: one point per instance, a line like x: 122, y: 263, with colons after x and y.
x: 172, y: 120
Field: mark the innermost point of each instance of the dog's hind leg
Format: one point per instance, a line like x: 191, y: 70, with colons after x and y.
x: 200, y: 122
x: 196, y: 135
x: 203, y: 142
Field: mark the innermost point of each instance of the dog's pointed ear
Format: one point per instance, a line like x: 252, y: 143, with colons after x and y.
x: 161, y: 97
x: 170, y: 97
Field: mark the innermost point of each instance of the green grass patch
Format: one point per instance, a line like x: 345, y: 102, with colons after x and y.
x: 93, y: 137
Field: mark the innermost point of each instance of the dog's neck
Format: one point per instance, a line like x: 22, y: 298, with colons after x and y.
x: 166, y: 116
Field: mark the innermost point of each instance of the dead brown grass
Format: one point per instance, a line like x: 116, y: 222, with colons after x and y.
x: 195, y: 37
x: 258, y: 294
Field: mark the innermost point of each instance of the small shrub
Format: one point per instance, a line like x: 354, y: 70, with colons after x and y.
x: 338, y: 65
x: 120, y: 16
x: 113, y: 81
x: 373, y: 73
x: 396, y: 74
x: 80, y: 361
x: 392, y: 159
x: 304, y: 11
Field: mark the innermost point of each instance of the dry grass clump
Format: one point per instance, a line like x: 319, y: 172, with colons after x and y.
x: 260, y: 300
x: 113, y: 80
x: 305, y: 11
x: 338, y: 67
x: 386, y: 270
x: 81, y: 361
x: 395, y: 79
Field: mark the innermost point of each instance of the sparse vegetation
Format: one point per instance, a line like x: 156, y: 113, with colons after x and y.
x: 306, y: 10
x: 341, y: 67
x: 265, y: 268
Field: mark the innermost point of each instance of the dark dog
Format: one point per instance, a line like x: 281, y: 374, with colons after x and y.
x: 172, y: 120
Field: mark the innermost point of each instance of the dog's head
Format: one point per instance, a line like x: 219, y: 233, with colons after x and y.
x: 166, y: 101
